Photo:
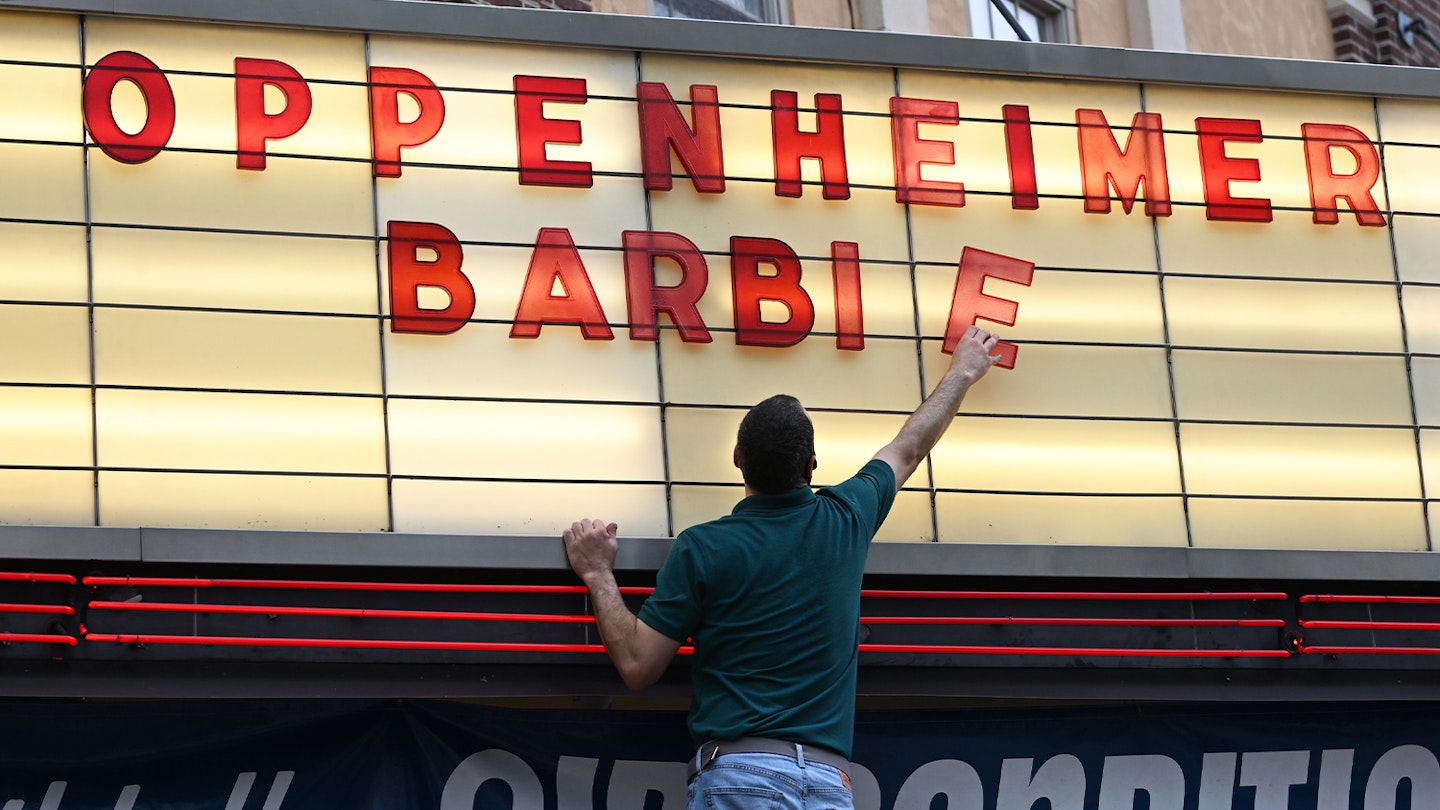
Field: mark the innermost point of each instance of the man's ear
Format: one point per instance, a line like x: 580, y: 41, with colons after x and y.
x: 735, y: 456
x: 814, y: 464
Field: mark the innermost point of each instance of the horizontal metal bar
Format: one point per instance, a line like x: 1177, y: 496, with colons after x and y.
x: 331, y: 585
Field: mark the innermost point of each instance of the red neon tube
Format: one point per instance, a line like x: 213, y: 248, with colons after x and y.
x: 64, y: 610
x: 15, y: 576
x: 422, y: 587
x: 983, y: 620
x: 290, y: 610
x: 355, y: 643
x: 1322, y: 650
x: 1347, y: 625
x: 1204, y: 596
x: 1091, y: 651
x: 42, y: 638
x: 1398, y: 600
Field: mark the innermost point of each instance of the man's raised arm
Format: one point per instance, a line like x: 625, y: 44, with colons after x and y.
x: 924, y: 428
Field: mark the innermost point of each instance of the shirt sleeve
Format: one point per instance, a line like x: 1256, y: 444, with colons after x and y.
x: 674, y: 608
x: 871, y: 492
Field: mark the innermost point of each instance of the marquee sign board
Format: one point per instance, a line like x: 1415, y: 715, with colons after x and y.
x: 286, y: 278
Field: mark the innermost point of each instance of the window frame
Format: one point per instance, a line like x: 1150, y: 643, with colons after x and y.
x: 1056, y: 18
x: 775, y: 12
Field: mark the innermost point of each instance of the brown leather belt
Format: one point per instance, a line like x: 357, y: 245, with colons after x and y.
x: 715, y: 749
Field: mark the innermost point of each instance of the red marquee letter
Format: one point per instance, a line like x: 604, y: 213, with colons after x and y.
x: 1020, y: 149
x: 127, y: 66
x: 647, y: 300
x: 662, y: 127
x: 533, y: 131
x: 387, y: 133
x: 971, y: 303
x: 849, y: 313
x: 826, y: 144
x: 1103, y: 163
x: 557, y: 261
x: 750, y: 287
x: 409, y: 272
x: 253, y: 125
x: 1327, y: 187
x: 1219, y: 169
x: 912, y: 152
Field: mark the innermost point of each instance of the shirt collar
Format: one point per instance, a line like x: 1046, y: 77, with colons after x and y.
x: 756, y: 503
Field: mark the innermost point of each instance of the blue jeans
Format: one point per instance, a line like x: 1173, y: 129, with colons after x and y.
x: 769, y: 782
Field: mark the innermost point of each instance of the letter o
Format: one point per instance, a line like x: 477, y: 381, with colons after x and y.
x: 957, y: 780
x: 159, y: 107
x: 477, y: 769
x: 1413, y: 762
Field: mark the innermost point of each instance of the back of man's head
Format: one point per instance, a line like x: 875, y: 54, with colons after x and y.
x: 774, y: 446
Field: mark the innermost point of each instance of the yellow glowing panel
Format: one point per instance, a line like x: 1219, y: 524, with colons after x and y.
x: 1060, y: 519
x: 479, y: 130
x: 47, y: 497
x: 1291, y: 245
x: 235, y: 271
x: 44, y: 344
x: 1363, y: 526
x: 909, y: 520
x: 525, y: 440
x: 884, y: 376
x: 42, y: 262
x: 303, y: 194
x: 1412, y: 161
x: 1291, y: 388
x: 261, y: 432
x: 1057, y: 455
x: 42, y: 104
x: 1072, y: 238
x: 226, y: 350
x: 546, y: 510
x: 1425, y: 377
x: 1422, y: 318
x: 45, y: 427
x: 481, y: 359
x: 1300, y: 461
x: 700, y: 442
x: 1230, y: 313
x: 205, y: 501
x: 1069, y: 381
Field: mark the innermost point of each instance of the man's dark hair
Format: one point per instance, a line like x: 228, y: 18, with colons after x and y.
x: 774, y: 446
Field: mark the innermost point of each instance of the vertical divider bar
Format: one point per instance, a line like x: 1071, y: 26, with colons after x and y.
x: 81, y: 22
x: 1404, y: 327
x: 1169, y: 356
x: 378, y: 233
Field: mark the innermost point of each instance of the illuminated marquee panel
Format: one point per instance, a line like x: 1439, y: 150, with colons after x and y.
x: 291, y: 279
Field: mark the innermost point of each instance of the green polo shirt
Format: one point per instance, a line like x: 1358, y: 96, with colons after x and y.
x: 770, y: 594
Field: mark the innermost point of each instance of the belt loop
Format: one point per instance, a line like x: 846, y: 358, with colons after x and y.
x: 800, y: 755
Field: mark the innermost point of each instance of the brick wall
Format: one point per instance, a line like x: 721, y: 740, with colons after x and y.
x: 1358, y: 39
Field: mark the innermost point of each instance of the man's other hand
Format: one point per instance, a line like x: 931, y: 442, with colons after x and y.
x: 591, y: 547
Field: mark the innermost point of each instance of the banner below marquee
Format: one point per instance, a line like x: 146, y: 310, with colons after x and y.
x: 399, y: 755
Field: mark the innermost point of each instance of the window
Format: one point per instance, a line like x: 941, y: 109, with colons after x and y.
x: 1042, y: 20
x: 765, y: 11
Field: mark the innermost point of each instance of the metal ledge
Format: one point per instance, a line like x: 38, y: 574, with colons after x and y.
x: 640, y: 554
x: 789, y: 43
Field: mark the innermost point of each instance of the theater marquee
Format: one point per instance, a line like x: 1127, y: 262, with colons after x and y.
x: 283, y: 278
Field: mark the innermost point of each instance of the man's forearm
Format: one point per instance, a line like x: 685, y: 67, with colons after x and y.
x: 922, y: 431
x: 630, y: 645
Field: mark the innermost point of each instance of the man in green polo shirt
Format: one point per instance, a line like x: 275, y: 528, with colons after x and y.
x: 770, y: 596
